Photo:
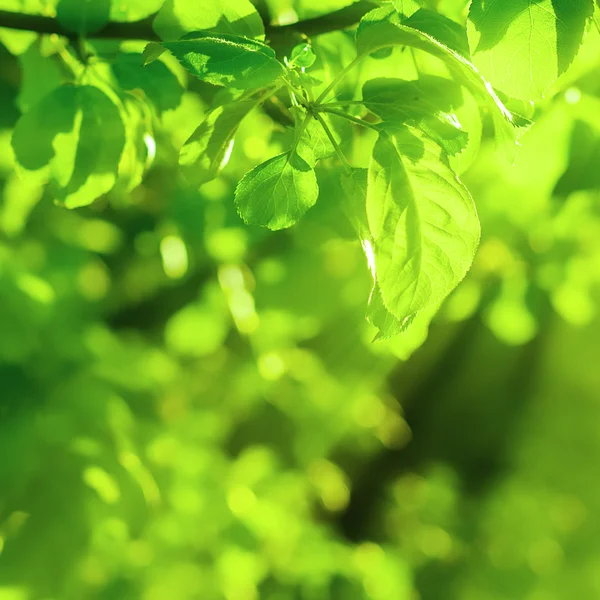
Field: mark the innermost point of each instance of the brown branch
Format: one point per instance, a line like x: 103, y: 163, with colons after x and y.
x: 142, y: 30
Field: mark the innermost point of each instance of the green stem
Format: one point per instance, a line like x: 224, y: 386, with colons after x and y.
x: 343, y: 115
x: 337, y: 79
x: 335, y: 145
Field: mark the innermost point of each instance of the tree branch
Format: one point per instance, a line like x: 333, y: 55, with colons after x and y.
x: 142, y: 30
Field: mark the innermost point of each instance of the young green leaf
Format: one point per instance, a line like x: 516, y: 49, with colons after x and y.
x: 354, y: 201
x: 83, y: 16
x: 80, y: 145
x: 276, y: 193
x: 302, y: 56
x: 227, y: 60
x: 522, y: 46
x: 203, y: 153
x: 427, y: 103
x: 423, y: 223
x: 238, y: 17
x: 383, y: 27
x: 156, y: 80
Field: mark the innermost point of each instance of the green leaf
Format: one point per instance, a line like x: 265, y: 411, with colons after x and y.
x: 382, y: 28
x: 469, y: 117
x: 354, y: 206
x: 39, y: 76
x: 442, y: 29
x: 83, y: 16
x: 379, y: 316
x: 422, y: 220
x: 227, y: 60
x: 203, y: 153
x: 522, y: 46
x: 406, y: 7
x: 152, y: 52
x: 80, y: 146
x: 354, y: 201
x: 156, y: 80
x: 302, y: 56
x: 238, y: 17
x: 427, y: 103
x: 276, y: 193
x: 133, y: 10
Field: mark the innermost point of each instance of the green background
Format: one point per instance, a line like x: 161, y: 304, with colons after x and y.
x: 193, y: 408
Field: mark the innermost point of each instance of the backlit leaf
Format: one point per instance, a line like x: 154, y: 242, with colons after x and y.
x: 276, y: 193
x: 422, y: 220
x: 427, y: 103
x: 228, y: 60
x: 314, y: 144
x: 522, y: 46
x: 156, y: 80
x: 203, y: 153
x: 133, y: 10
x: 80, y: 145
x: 383, y: 27
x: 238, y: 17
x: 444, y: 30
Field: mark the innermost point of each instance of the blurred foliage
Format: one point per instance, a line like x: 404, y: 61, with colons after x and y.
x: 193, y: 408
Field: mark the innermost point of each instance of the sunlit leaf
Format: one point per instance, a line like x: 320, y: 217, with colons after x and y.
x: 302, y: 56
x: 156, y: 80
x: 276, y: 193
x: 314, y: 144
x: 203, y: 153
x: 39, y: 76
x: 444, y: 30
x: 423, y: 223
x: 227, y: 60
x: 133, y: 10
x: 383, y: 27
x: 354, y: 201
x: 427, y: 103
x: 238, y: 17
x: 406, y: 7
x: 522, y: 46
x: 81, y: 144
